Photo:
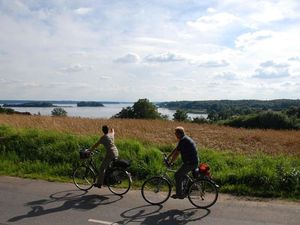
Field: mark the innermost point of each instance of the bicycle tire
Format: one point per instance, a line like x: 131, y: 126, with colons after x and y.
x: 203, y: 193
x: 121, y: 181
x: 156, y: 190
x: 84, y: 177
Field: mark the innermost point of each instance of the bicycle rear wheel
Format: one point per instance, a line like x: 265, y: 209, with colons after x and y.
x: 156, y: 190
x: 84, y: 177
x: 203, y: 193
x: 119, y: 181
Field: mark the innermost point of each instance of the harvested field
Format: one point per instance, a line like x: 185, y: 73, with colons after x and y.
x: 162, y: 132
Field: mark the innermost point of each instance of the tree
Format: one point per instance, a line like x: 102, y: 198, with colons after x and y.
x: 125, y: 113
x: 180, y: 115
x: 142, y: 109
x: 293, y: 111
x: 58, y: 111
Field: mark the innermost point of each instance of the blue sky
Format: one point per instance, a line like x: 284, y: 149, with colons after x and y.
x: 160, y: 50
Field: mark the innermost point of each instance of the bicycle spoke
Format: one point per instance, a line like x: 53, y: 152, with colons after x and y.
x: 83, y: 178
x: 119, y: 181
x: 156, y: 190
x: 203, y: 193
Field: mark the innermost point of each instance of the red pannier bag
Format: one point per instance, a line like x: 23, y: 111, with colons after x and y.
x: 204, y: 169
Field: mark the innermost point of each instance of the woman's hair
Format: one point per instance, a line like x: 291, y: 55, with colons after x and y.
x: 179, y: 131
x: 105, y: 129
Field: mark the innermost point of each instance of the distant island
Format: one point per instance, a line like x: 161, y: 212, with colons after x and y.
x: 31, y: 104
x: 90, y: 104
x: 61, y: 102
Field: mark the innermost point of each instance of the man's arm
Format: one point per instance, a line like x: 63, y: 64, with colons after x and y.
x: 173, y: 155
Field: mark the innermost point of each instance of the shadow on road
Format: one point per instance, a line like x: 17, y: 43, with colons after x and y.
x: 72, y: 199
x: 150, y: 214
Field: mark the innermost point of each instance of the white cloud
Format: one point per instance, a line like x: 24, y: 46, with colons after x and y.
x: 296, y: 58
x: 192, y: 45
x: 105, y: 77
x: 73, y: 68
x: 271, y: 70
x: 215, y: 63
x: 32, y: 84
x: 163, y: 58
x: 128, y: 58
x: 270, y: 63
x: 213, y: 22
x: 226, y: 76
x: 83, y: 11
x: 249, y: 39
x: 153, y: 40
x: 15, y: 7
x: 272, y: 11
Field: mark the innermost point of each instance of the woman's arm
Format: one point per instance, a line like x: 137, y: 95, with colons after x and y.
x: 96, y: 145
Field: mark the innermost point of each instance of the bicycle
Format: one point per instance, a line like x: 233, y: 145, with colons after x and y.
x: 200, y: 189
x: 117, y: 178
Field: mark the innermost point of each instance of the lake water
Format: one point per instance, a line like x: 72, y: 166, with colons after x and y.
x: 95, y: 112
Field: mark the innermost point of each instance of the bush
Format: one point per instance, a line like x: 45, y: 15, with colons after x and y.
x: 58, y: 112
x: 264, y: 120
x: 180, y: 115
x: 200, y: 120
x: 6, y: 110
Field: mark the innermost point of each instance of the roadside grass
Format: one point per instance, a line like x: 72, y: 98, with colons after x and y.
x: 52, y: 155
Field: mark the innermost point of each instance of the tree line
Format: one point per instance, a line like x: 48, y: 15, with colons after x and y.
x: 274, y: 114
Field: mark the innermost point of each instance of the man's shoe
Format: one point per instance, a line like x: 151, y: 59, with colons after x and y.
x: 178, y: 196
x: 97, y: 185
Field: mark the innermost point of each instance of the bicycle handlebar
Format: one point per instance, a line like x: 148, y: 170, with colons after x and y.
x: 94, y: 152
x: 90, y: 153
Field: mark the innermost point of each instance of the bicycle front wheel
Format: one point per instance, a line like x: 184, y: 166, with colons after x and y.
x: 119, y: 181
x: 84, y: 177
x: 156, y: 190
x: 203, y: 193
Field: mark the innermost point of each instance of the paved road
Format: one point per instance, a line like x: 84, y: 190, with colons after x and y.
x: 26, y: 201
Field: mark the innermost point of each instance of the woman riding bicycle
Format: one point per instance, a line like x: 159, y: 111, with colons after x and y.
x: 187, y: 148
x: 111, y: 152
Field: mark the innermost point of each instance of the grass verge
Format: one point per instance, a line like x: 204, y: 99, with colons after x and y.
x: 50, y: 155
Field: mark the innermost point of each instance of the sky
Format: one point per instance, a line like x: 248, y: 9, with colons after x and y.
x: 162, y: 50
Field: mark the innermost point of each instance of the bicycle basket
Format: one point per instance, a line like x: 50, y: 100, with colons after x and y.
x: 84, y: 154
x: 204, y: 169
x: 122, y: 163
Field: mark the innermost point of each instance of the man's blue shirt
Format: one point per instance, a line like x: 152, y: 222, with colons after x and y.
x: 188, y: 150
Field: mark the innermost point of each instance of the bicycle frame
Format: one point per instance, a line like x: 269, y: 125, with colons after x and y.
x: 164, y: 174
x: 171, y: 180
x: 91, y: 164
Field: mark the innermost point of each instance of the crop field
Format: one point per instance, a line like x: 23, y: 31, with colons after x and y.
x: 271, y: 142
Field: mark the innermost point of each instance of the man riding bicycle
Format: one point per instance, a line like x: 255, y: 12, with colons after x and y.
x: 187, y: 148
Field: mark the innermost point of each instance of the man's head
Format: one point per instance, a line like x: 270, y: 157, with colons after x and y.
x: 105, y: 129
x: 179, y: 132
